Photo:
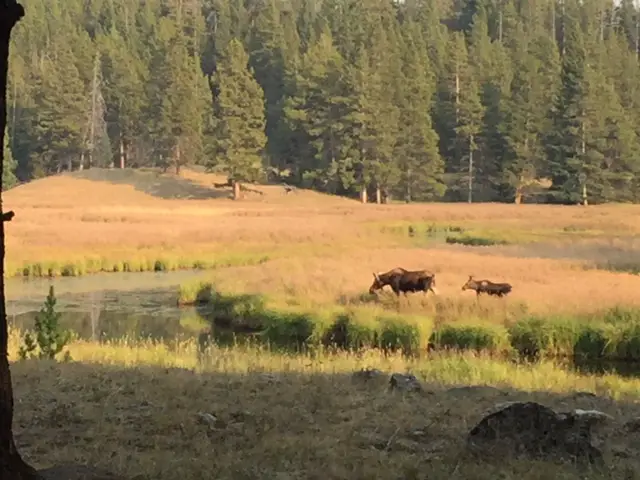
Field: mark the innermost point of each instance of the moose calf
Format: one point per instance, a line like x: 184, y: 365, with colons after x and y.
x: 486, y: 286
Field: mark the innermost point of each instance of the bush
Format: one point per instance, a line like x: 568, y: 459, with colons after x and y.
x: 487, y: 338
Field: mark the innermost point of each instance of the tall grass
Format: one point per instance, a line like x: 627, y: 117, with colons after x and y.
x: 163, y: 262
x: 439, y: 368
x: 611, y: 334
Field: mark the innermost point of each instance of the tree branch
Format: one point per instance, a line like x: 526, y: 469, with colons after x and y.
x: 7, y: 216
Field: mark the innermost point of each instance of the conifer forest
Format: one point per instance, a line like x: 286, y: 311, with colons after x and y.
x: 414, y: 100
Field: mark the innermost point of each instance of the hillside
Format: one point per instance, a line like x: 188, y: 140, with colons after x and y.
x: 100, y: 187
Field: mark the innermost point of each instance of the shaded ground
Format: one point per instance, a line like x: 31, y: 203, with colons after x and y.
x: 145, y: 422
x: 153, y: 183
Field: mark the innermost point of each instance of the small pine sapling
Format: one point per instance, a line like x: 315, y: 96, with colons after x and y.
x: 50, y: 338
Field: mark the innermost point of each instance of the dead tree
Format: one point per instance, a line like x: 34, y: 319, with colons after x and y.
x: 12, y: 466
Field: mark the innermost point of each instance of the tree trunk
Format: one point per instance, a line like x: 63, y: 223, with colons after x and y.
x: 470, y: 178
x: 11, y: 464
x: 178, y: 158
x: 519, y: 192
x: 236, y: 190
x: 122, y: 164
x: 378, y: 195
x: 363, y: 195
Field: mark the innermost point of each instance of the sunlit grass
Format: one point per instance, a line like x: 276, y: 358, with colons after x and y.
x: 441, y: 369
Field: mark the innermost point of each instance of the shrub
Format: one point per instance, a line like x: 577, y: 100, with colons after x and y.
x: 488, y: 338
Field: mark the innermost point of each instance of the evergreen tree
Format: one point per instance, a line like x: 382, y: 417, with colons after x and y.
x: 320, y: 110
x: 240, y: 119
x: 421, y: 164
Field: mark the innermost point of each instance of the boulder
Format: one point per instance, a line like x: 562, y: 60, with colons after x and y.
x: 533, y: 430
x: 404, y: 382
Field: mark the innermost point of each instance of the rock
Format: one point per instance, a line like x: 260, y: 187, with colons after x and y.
x: 367, y: 374
x: 404, y: 382
x: 77, y: 472
x: 480, y: 390
x: 633, y: 425
x: 210, y: 420
x: 590, y: 417
x: 536, y: 431
x: 497, y: 407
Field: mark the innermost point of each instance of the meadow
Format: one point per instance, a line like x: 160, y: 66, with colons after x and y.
x: 294, y: 269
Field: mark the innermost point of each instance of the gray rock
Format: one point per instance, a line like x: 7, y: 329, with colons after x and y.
x: 211, y: 420
x: 533, y: 430
x: 404, y: 383
x: 77, y: 472
x: 633, y: 425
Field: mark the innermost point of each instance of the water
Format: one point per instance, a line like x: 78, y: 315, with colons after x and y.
x: 144, y: 305
x: 109, y: 306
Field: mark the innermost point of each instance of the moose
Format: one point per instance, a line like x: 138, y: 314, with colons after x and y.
x: 486, y: 286
x: 401, y: 280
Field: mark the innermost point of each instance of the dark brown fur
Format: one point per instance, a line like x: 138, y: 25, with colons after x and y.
x: 401, y: 280
x: 488, y: 287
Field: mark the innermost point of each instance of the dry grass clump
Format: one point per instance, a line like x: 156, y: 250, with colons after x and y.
x: 133, y: 407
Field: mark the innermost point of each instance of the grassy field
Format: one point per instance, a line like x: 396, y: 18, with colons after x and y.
x: 295, y: 266
x: 132, y: 407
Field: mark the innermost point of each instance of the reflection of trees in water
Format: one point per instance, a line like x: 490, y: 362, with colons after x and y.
x: 96, y: 307
x: 97, y: 323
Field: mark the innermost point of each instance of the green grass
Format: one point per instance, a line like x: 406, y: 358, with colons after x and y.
x: 141, y: 263
x: 475, y: 234
x: 612, y: 334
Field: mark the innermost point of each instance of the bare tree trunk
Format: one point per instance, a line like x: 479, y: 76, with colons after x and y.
x: 378, y: 195
x: 178, y: 159
x: 121, y: 151
x: 363, y: 195
x: 470, y: 179
x: 519, y: 192
x: 12, y: 466
x: 236, y: 190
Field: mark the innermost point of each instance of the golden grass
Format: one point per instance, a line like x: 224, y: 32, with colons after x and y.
x: 66, y: 219
x: 131, y: 406
x: 544, y: 285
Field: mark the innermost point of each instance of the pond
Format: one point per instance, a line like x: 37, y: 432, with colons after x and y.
x: 144, y: 305
x: 108, y: 306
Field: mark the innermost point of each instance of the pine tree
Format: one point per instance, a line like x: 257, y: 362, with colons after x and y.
x: 240, y: 119
x: 124, y: 77
x: 566, y: 139
x: 186, y: 106
x: 420, y: 161
x: 60, y: 100
x: 320, y: 111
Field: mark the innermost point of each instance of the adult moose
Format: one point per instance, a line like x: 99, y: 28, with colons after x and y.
x: 488, y: 287
x: 405, y: 281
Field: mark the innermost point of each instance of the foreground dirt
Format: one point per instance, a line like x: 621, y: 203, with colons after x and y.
x: 175, y: 424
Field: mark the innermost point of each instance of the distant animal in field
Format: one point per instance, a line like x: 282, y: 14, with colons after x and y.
x: 405, y: 281
x: 488, y: 287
